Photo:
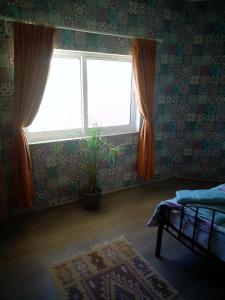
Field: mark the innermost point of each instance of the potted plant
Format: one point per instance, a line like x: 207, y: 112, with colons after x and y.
x: 95, y: 150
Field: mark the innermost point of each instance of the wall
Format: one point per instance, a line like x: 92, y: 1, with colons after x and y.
x: 56, y: 176
x: 201, y: 112
x: 6, y: 99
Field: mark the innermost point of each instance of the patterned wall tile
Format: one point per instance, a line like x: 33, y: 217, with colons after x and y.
x: 189, y: 90
x: 202, y: 135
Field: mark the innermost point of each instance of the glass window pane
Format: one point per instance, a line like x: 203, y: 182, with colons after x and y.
x: 109, y: 92
x: 61, y: 104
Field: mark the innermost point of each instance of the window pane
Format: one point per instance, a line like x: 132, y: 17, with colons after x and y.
x: 61, y: 104
x: 109, y: 92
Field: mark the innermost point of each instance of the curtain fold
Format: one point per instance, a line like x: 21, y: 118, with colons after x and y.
x: 33, y: 47
x: 144, y: 57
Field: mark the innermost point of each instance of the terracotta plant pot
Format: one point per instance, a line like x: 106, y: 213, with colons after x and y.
x: 90, y: 200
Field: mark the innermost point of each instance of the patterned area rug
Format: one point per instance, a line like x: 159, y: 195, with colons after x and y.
x: 111, y: 271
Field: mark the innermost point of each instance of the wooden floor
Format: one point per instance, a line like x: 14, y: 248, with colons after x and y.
x: 29, y: 242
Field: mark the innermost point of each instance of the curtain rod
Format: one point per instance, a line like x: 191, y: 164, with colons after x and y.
x: 84, y: 30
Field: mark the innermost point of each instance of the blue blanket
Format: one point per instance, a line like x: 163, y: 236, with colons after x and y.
x: 210, y: 196
x: 214, y: 198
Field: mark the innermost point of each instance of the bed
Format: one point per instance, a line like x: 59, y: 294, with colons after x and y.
x: 196, y: 219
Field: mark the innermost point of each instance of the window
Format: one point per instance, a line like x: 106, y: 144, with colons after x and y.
x: 84, y: 90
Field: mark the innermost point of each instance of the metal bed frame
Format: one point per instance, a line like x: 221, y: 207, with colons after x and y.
x: 190, y: 242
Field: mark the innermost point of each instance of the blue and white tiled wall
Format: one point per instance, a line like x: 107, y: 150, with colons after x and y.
x: 58, y: 176
x: 200, y: 121
x: 55, y: 165
x: 189, y: 113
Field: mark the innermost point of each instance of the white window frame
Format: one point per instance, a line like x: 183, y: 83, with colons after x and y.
x: 46, y: 136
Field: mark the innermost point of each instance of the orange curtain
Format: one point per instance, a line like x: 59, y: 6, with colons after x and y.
x: 33, y: 46
x: 144, y: 56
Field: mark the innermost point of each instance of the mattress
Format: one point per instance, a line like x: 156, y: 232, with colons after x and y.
x: 202, y: 233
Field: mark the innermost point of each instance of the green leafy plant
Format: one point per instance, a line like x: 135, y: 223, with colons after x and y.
x: 96, y: 150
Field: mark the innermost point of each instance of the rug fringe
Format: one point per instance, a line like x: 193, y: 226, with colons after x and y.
x: 104, y: 242
x: 87, y: 249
